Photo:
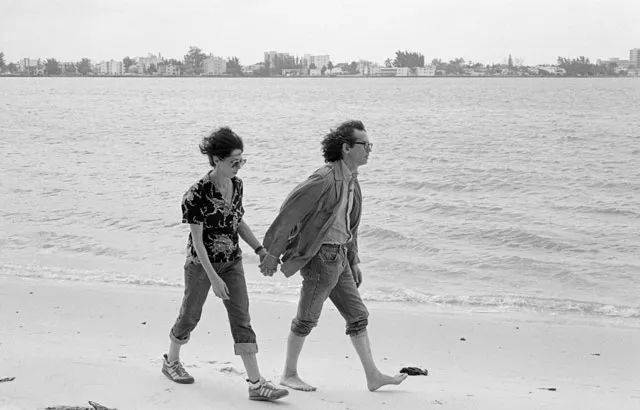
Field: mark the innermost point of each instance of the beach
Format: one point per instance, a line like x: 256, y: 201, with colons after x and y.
x: 498, y: 240
x: 68, y: 342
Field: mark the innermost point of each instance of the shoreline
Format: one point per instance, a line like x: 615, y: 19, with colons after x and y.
x: 308, y: 77
x: 69, y: 342
x: 285, y: 296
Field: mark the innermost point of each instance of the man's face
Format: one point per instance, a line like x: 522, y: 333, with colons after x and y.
x: 359, y: 153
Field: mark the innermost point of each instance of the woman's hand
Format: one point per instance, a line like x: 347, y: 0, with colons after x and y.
x: 219, y: 287
x: 268, y: 264
x: 262, y: 254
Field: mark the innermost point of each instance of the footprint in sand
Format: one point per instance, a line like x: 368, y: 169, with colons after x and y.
x: 230, y: 370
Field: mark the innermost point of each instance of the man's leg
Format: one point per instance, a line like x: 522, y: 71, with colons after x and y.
x: 319, y: 277
x: 346, y: 297
x: 375, y: 378
x: 290, y: 376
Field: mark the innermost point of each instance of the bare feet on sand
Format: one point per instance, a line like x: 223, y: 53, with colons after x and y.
x: 382, y: 380
x: 295, y: 382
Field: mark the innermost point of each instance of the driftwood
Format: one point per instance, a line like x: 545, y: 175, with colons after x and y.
x: 94, y: 406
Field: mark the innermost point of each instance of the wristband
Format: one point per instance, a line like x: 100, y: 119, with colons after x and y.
x: 258, y: 249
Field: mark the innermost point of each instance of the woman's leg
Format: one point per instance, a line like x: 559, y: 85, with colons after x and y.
x: 196, y: 288
x: 239, y: 320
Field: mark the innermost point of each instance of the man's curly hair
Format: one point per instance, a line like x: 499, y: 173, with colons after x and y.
x: 332, y: 142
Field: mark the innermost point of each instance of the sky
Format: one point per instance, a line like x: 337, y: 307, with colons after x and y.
x: 486, y: 31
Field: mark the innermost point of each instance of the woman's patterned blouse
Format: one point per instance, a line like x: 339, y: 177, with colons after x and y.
x: 203, y: 203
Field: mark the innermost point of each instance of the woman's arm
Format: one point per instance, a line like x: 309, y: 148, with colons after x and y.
x: 217, y: 284
x: 247, y: 235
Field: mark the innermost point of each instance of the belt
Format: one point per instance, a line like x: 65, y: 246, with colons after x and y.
x: 335, y: 245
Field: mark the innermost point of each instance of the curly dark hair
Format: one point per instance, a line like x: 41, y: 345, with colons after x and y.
x: 220, y: 143
x: 332, y: 142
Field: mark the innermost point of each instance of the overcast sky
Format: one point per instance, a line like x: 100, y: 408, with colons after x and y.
x: 536, y: 31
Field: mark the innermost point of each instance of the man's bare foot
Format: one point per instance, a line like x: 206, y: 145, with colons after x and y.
x: 295, y: 382
x: 382, y: 380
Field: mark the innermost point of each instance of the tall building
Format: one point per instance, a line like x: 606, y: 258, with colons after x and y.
x: 168, y: 69
x: 111, y: 67
x: 26, y: 63
x: 426, y: 71
x: 319, y: 61
x: 634, y: 57
x: 365, y: 68
x: 279, y: 60
x: 214, y: 65
x: 68, y: 67
x: 144, y: 63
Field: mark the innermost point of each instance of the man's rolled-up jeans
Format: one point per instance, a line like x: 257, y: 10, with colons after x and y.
x: 196, y: 288
x: 328, y: 275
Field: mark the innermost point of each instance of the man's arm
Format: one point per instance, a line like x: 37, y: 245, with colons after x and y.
x: 352, y: 250
x: 302, y: 200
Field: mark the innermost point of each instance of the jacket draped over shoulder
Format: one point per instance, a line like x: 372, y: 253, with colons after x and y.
x: 298, y: 231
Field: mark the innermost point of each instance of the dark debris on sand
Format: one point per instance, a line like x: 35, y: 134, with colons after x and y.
x: 414, y: 371
x: 93, y: 404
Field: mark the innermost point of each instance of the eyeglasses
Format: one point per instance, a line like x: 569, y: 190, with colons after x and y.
x: 367, y: 145
x: 237, y: 163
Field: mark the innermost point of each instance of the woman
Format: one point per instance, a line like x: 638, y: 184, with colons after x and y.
x: 213, y: 209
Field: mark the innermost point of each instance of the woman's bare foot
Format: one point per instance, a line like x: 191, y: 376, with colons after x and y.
x: 382, y: 380
x: 295, y: 382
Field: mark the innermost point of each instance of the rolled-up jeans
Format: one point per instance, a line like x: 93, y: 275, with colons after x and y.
x: 196, y: 289
x: 328, y: 275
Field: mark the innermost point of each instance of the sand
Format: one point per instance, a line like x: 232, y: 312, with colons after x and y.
x: 70, y: 342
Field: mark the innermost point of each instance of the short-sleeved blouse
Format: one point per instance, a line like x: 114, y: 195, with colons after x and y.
x: 203, y: 203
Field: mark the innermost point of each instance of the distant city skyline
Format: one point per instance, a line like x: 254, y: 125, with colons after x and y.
x: 485, y: 31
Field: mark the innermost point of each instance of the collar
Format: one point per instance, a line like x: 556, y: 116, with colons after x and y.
x: 342, y: 171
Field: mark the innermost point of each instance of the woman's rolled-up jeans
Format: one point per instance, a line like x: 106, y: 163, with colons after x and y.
x: 196, y: 289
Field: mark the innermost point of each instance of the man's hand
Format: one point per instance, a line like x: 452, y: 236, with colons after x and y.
x: 268, y: 264
x: 357, y: 275
x: 219, y: 288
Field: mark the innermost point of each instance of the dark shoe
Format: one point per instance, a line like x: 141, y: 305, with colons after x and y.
x: 265, y: 391
x: 175, y: 372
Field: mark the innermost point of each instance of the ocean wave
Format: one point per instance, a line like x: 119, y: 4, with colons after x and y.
x: 387, y: 238
x: 420, y: 185
x: 289, y: 290
x: 499, y: 303
x: 518, y: 238
x: 605, y: 210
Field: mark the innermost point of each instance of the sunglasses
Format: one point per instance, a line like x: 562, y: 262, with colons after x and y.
x: 367, y: 145
x: 237, y: 163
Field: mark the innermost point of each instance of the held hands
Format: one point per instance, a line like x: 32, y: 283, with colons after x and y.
x: 268, y: 264
x: 219, y: 288
x: 262, y: 254
x: 357, y: 275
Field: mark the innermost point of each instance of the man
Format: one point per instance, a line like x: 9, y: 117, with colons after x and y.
x: 316, y: 233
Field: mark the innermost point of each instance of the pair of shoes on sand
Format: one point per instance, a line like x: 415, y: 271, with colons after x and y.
x: 261, y: 390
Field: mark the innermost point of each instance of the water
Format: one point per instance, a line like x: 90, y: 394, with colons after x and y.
x: 480, y: 194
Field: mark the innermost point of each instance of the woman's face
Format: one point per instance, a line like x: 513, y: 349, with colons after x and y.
x: 230, y: 166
